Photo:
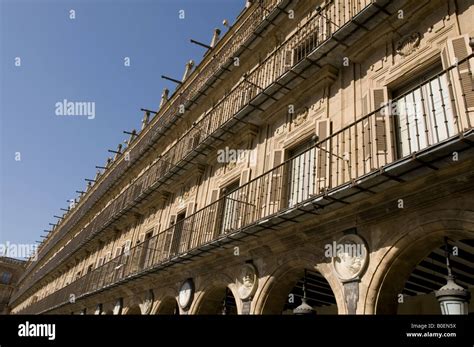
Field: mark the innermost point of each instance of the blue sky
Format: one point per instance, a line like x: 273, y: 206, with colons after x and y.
x: 83, y: 60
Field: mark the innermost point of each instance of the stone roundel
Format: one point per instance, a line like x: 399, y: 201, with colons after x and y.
x: 248, y: 282
x: 351, y: 257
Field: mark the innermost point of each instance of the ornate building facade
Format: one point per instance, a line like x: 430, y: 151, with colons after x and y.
x: 318, y: 159
x: 10, y: 272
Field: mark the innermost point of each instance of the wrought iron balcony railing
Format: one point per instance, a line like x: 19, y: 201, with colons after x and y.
x: 317, y: 29
x: 190, y: 91
x: 425, y: 116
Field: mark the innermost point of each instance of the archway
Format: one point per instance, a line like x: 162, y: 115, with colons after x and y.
x: 286, y: 293
x: 421, y: 244
x: 429, y: 275
x: 134, y: 310
x: 217, y: 300
x: 325, y: 290
x: 168, y: 306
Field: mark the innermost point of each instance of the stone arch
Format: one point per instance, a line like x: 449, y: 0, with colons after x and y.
x: 168, y: 306
x: 132, y: 310
x: 406, y: 250
x: 166, y: 302
x: 208, y: 292
x: 108, y: 310
x: 131, y: 305
x: 274, y: 288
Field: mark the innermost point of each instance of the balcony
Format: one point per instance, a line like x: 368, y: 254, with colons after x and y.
x: 378, y: 151
x: 327, y: 30
x: 188, y: 94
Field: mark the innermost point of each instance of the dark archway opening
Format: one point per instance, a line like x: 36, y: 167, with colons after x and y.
x: 134, y: 310
x: 429, y: 275
x: 168, y: 306
x: 286, y: 293
x: 219, y: 301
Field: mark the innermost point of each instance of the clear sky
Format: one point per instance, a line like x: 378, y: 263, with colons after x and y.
x: 82, y: 60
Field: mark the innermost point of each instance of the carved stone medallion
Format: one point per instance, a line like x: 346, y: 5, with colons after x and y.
x: 147, y: 302
x: 351, y: 257
x: 301, y: 117
x: 408, y: 44
x: 248, y: 282
x: 186, y: 294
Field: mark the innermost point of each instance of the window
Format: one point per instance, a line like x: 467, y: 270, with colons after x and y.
x: 231, y: 211
x: 126, y: 247
x: 177, y: 232
x: 118, y: 251
x: 301, y: 173
x: 6, y: 277
x: 100, y: 262
x: 145, y: 250
x: 424, y: 112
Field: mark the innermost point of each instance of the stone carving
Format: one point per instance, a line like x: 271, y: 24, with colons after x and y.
x: 147, y: 303
x: 351, y: 257
x: 231, y: 165
x: 186, y: 294
x: 219, y: 170
x: 408, y: 44
x: 186, y: 195
x: 248, y: 282
x: 301, y: 117
x: 281, y: 129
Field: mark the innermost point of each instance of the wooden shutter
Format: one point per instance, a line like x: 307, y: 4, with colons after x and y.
x: 461, y: 50
x: 172, y: 219
x: 187, y: 227
x: 276, y: 181
x: 100, y: 262
x: 244, y: 209
x: 366, y: 129
x: 323, y: 159
x: 446, y: 63
x: 127, y: 247
x: 118, y: 251
x: 456, y: 50
x: 244, y: 176
x: 288, y: 59
x: 169, y: 236
x: 382, y: 128
x: 190, y: 208
x: 212, y: 222
x: 214, y: 195
x: 126, y: 251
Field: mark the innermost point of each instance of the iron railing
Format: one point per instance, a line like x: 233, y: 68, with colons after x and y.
x: 318, y: 28
x: 190, y: 92
x: 424, y: 116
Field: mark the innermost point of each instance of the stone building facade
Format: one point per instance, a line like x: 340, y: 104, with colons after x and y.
x: 10, y: 272
x: 321, y: 150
